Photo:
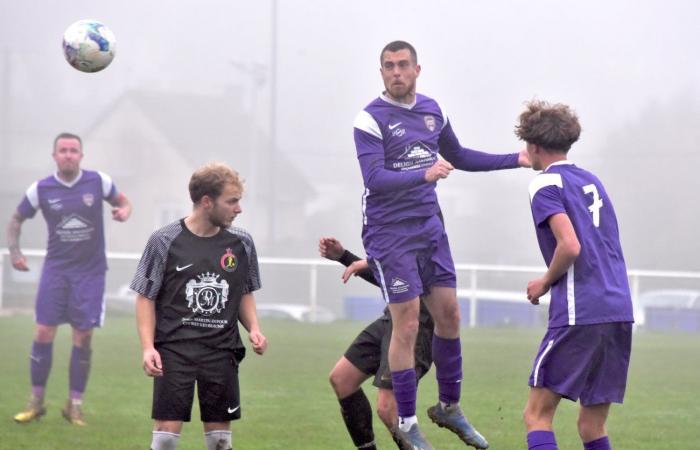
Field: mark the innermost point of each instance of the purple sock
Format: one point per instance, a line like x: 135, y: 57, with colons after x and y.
x: 404, y: 384
x: 541, y: 440
x: 79, y: 370
x: 599, y: 444
x: 40, y: 366
x: 447, y: 356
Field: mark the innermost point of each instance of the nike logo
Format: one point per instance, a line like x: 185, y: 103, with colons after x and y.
x: 180, y: 269
x: 391, y: 127
x: 233, y: 410
x: 34, y: 358
x: 54, y: 200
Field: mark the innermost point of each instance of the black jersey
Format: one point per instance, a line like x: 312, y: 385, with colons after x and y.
x: 197, y: 283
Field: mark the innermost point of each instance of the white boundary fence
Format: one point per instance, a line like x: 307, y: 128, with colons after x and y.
x: 472, y: 271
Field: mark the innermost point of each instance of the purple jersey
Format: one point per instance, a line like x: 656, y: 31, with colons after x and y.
x: 396, y: 143
x: 595, y: 289
x: 73, y: 213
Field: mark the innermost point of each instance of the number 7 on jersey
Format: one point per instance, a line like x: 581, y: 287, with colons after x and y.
x: 594, y: 208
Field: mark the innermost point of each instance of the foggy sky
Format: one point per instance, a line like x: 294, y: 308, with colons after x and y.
x: 612, y: 61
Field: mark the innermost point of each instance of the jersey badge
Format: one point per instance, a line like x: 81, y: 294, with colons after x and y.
x: 206, y: 296
x: 88, y: 199
x: 429, y: 122
x: 228, y: 261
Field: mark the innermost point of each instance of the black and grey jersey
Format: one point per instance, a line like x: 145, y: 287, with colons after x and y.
x: 197, y: 283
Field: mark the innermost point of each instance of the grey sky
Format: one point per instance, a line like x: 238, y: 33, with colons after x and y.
x: 612, y: 61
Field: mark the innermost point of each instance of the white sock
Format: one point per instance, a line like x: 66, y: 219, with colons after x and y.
x: 405, y: 423
x: 163, y: 440
x: 218, y: 440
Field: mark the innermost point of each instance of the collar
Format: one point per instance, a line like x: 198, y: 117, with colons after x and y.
x: 72, y: 183
x: 563, y: 162
x: 399, y: 104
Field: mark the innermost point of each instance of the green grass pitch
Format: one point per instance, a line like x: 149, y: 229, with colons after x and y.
x: 287, y: 402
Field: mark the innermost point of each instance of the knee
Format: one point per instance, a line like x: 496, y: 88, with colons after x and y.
x: 590, y: 430
x: 447, y: 320
x: 339, y: 383
x: 408, y: 329
x: 82, y: 339
x: 44, y: 334
x: 535, y: 419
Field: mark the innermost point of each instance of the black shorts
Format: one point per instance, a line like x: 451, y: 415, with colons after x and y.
x: 216, y: 374
x: 369, y: 352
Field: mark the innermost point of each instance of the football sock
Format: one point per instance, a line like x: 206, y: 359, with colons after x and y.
x: 162, y: 440
x: 541, y: 440
x: 447, y: 356
x: 357, y: 415
x: 404, y: 383
x: 599, y: 444
x: 218, y: 440
x: 40, y: 366
x: 405, y: 423
x: 79, y: 370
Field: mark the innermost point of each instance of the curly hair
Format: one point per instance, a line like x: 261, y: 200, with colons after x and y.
x: 210, y: 180
x: 553, y: 127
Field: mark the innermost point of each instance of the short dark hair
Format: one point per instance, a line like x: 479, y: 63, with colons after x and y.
x: 395, y: 46
x: 67, y: 136
x: 210, y: 180
x: 553, y: 127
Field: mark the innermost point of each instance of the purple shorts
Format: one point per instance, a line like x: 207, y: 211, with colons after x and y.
x: 586, y: 362
x: 77, y: 299
x: 410, y: 257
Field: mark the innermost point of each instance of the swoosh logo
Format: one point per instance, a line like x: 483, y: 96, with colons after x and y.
x: 233, y: 410
x: 391, y: 127
x: 180, y: 269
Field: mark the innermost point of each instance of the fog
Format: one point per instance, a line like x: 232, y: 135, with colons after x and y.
x: 272, y: 88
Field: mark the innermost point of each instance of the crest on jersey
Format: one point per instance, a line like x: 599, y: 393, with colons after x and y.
x: 228, y: 261
x: 88, y: 199
x: 429, y: 122
x: 207, y: 296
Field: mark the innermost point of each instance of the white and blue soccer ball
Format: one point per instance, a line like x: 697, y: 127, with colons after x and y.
x: 89, y: 45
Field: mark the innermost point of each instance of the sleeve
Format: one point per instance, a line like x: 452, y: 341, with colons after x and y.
x: 471, y: 160
x: 151, y: 268
x: 370, y: 153
x: 546, y: 198
x: 348, y: 258
x: 109, y: 190
x: 253, y: 280
x: 29, y: 205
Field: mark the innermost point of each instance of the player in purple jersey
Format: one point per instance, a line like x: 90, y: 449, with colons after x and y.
x: 195, y: 282
x: 585, y: 353
x: 399, y: 137
x: 368, y: 356
x: 71, y: 289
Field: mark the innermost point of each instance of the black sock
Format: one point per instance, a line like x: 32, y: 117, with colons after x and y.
x: 357, y: 414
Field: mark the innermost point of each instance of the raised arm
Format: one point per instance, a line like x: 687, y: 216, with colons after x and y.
x: 331, y: 248
x: 370, y: 153
x: 475, y: 161
x: 14, y: 229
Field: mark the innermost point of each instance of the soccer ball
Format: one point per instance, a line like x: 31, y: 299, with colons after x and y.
x: 88, y: 45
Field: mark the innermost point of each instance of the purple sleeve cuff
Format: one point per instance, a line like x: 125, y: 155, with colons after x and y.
x: 25, y: 208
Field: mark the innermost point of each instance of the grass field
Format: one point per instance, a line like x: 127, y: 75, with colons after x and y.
x: 288, y: 404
